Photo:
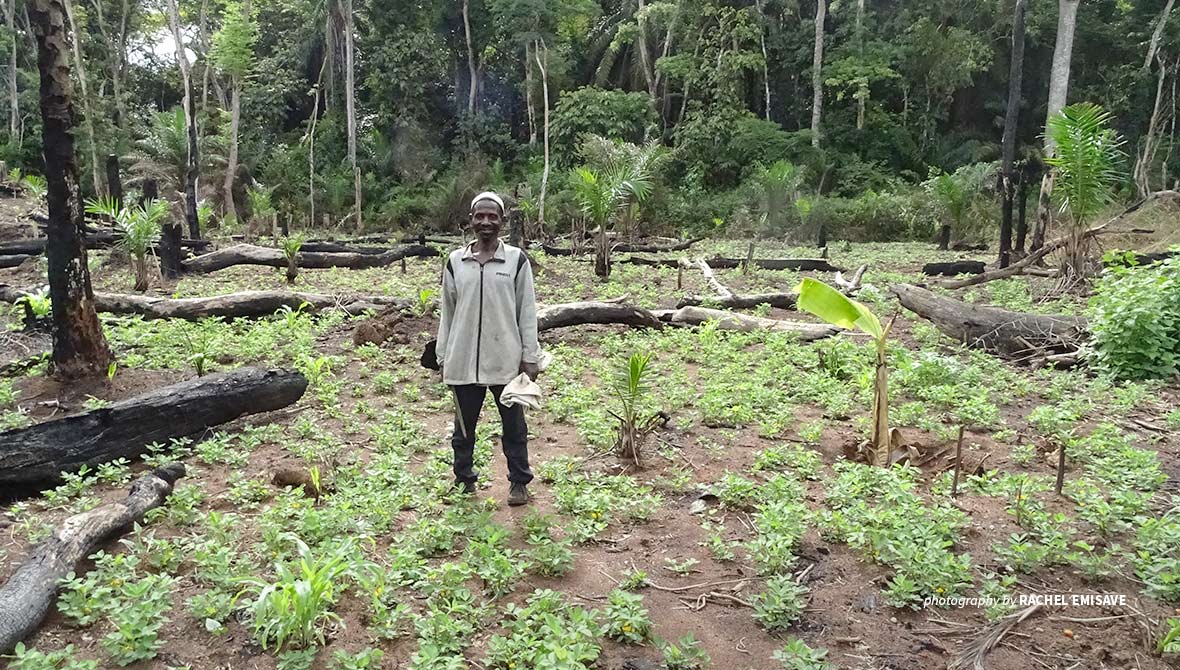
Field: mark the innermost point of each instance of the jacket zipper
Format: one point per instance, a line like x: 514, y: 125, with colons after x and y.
x: 479, y: 324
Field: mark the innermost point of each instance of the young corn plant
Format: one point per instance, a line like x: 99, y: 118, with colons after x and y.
x: 139, y: 229
x: 832, y: 306
x: 291, y: 245
x: 631, y: 389
x: 293, y: 610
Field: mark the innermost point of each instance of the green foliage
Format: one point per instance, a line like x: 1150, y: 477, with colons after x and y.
x: 1134, y: 320
x: 1087, y: 159
x: 546, y: 633
x: 292, y: 610
x: 593, y: 111
x: 626, y: 618
x: 796, y: 655
x: 25, y: 658
x: 687, y: 653
x: 233, y: 44
x: 781, y: 604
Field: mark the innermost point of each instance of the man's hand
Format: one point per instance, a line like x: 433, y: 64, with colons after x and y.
x: 530, y: 369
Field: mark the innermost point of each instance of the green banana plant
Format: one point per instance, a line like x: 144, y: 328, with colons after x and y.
x: 825, y: 302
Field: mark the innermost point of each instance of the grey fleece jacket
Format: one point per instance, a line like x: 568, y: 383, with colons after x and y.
x: 489, y: 317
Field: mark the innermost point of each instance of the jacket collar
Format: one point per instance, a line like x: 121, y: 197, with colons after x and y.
x: 469, y: 251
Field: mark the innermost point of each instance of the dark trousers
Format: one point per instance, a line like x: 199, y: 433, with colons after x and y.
x: 515, y: 434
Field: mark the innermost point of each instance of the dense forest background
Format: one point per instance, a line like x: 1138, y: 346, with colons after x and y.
x: 454, y: 96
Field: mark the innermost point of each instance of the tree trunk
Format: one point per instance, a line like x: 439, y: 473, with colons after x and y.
x: 1011, y: 334
x: 472, y: 70
x: 248, y: 254
x: 33, y: 458
x: 249, y: 304
x: 1160, y: 24
x: 817, y: 78
x: 190, y: 120
x: 528, y: 96
x: 79, y: 347
x: 1011, y: 122
x: 231, y: 163
x: 579, y: 313
x: 315, y: 113
x: 746, y: 323
x: 748, y: 301
x: 644, y: 56
x: 27, y: 596
x: 1022, y: 203
x: 114, y: 182
x: 350, y: 103
x: 13, y: 94
x: 761, y: 5
x: 542, y: 54
x: 602, y: 254
x: 953, y: 268
x: 141, y: 273
x: 1152, y: 138
x: 1067, y: 18
x: 95, y: 170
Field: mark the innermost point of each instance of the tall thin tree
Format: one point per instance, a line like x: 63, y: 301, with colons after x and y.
x: 233, y: 53
x: 1011, y: 123
x: 13, y: 93
x: 542, y: 54
x: 472, y: 68
x: 1067, y: 21
x: 79, y: 346
x: 190, y: 122
x: 350, y: 104
x: 817, y: 77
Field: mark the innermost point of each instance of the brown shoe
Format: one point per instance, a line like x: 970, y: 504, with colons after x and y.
x: 518, y: 494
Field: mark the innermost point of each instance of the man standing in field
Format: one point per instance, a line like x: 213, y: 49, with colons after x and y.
x: 486, y: 337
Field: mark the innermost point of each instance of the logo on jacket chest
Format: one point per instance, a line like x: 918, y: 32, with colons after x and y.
x: 503, y: 274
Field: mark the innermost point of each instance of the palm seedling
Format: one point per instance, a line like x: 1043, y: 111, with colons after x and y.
x: 291, y: 245
x: 262, y: 208
x: 613, y: 193
x: 953, y: 197
x: 1087, y: 161
x: 834, y: 307
x: 138, y: 227
x: 631, y: 389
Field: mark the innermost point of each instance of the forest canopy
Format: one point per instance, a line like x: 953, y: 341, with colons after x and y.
x: 454, y: 97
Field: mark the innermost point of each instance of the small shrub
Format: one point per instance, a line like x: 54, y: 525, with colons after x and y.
x: 626, y: 618
x: 1135, y: 321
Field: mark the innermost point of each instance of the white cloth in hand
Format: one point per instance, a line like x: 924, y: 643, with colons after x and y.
x: 521, y: 391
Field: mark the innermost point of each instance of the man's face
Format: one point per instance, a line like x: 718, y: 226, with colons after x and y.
x: 485, y: 220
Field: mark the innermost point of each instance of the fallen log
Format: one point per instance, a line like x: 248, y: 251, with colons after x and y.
x: 953, y: 268
x: 1036, y: 256
x: 728, y: 299
x: 337, y: 247
x: 14, y: 260
x: 580, y: 313
x: 1010, y: 334
x: 97, y: 240
x: 850, y: 287
x: 233, y: 305
x: 33, y: 458
x: 743, y: 322
x: 623, y: 247
x: 721, y: 289
x: 26, y: 597
x: 248, y: 254
x: 230, y: 305
x: 779, y: 300
x: 798, y: 264
x: 1137, y: 258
